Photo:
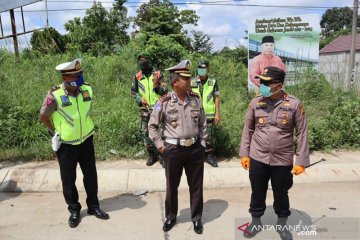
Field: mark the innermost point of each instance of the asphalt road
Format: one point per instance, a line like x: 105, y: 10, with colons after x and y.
x: 333, y: 208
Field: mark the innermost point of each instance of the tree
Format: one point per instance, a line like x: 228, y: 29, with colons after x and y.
x: 336, y: 19
x: 201, y: 42
x: 163, y: 18
x: 101, y: 31
x: 239, y: 54
x: 48, y: 41
x: 165, y: 51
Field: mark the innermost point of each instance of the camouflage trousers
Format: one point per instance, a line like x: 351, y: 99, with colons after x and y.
x: 150, y: 146
x: 210, y: 141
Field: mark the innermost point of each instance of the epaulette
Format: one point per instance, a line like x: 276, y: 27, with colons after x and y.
x: 54, y: 88
x: 165, y: 98
x: 138, y: 76
x: 86, y: 83
x: 194, y: 94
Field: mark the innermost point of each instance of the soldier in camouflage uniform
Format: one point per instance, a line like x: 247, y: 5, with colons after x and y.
x: 146, y: 88
x: 209, y: 92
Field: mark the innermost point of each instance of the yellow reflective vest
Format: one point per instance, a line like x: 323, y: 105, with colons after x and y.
x: 71, y: 118
x: 207, y: 95
x: 146, y: 89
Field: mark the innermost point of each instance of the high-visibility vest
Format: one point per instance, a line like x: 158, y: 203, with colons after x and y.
x: 146, y: 89
x: 207, y: 95
x: 71, y: 118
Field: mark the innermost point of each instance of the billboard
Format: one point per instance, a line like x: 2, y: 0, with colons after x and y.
x: 288, y: 42
x: 6, y: 5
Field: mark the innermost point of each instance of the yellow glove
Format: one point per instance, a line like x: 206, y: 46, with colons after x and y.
x: 245, y: 162
x: 297, y: 169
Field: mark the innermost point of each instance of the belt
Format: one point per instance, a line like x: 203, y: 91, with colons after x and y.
x: 187, y: 142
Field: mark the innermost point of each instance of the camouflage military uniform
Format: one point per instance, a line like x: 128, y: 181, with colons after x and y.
x: 145, y: 110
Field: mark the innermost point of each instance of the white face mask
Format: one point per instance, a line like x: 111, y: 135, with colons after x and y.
x: 268, y: 48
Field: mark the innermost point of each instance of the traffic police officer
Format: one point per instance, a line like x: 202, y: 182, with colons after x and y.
x: 146, y: 88
x: 184, y: 122
x: 267, y: 147
x: 65, y: 112
x: 209, y: 92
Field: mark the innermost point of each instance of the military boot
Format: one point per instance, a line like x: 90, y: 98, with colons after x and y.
x: 254, y: 228
x: 211, y: 160
x: 283, y: 230
x: 152, y: 159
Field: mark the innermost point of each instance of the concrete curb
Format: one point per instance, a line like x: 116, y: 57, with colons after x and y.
x: 153, y: 179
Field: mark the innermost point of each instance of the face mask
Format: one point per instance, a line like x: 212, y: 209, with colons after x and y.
x: 266, y: 91
x: 201, y: 71
x: 145, y: 66
x: 79, y: 81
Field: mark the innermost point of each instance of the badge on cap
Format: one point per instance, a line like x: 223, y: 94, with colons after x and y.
x: 261, y: 120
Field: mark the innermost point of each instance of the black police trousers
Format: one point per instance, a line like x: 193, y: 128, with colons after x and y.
x: 68, y: 156
x: 281, y: 181
x: 190, y: 158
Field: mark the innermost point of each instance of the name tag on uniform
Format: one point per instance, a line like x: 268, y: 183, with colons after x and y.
x: 65, y: 100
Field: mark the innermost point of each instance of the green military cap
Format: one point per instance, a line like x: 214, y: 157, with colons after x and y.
x: 144, y: 54
x: 203, y: 64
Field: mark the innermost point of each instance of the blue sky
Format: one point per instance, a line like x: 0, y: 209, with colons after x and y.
x: 225, y: 24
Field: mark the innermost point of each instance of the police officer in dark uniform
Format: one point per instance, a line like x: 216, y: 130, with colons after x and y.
x: 65, y: 112
x: 184, y: 122
x: 267, y: 148
x: 146, y: 88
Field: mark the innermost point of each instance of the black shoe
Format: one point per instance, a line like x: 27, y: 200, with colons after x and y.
x: 74, y: 219
x: 168, y: 225
x: 198, y: 227
x: 253, y: 228
x: 151, y: 160
x: 211, y: 160
x: 97, y: 212
x: 284, y: 233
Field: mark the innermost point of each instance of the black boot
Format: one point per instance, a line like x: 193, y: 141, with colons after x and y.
x: 211, y: 160
x: 152, y: 159
x: 254, y: 228
x: 283, y: 229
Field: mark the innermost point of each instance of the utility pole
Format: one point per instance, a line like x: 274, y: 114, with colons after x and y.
x: 14, y: 35
x: 351, y: 74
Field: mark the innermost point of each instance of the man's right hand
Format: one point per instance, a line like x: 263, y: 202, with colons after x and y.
x: 245, y: 162
x: 161, y: 150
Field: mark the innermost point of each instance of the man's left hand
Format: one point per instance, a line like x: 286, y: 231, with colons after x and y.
x: 217, y: 119
x: 297, y: 169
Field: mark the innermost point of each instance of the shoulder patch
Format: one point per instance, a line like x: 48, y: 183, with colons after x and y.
x: 301, y: 108
x: 211, y: 82
x: 165, y: 98
x: 194, y: 94
x: 54, y: 88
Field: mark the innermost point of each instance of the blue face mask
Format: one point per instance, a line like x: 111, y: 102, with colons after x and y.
x: 201, y: 71
x: 79, y: 81
x: 265, y: 90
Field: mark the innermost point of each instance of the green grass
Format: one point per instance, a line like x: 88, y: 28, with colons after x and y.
x: 333, y: 115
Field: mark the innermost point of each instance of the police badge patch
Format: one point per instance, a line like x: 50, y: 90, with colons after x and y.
x: 157, y: 106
